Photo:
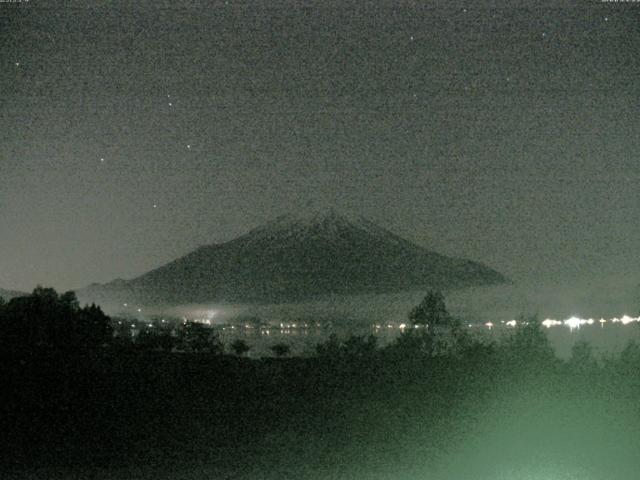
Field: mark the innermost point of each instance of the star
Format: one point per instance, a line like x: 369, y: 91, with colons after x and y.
x: 170, y: 104
x: 155, y: 205
x: 606, y: 19
x: 102, y: 160
x: 188, y: 147
x: 411, y: 38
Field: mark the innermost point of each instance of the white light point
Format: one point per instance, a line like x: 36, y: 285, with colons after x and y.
x: 626, y: 319
x: 549, y: 322
x: 573, y: 322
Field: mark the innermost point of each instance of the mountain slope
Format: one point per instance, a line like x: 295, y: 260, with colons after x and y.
x: 295, y: 258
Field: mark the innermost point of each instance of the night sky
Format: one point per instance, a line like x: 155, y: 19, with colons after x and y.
x: 130, y: 135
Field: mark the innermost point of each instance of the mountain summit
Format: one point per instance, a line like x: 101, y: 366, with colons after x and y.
x: 294, y: 258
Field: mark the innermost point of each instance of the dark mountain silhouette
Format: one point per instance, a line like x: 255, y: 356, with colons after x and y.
x: 296, y: 258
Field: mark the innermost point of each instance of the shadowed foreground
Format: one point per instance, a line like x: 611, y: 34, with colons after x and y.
x: 81, y: 400
x: 376, y: 414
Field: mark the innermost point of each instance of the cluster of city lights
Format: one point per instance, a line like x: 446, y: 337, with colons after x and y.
x: 572, y: 322
x: 576, y: 322
x: 207, y: 318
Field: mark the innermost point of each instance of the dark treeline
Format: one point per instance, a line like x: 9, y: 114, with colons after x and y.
x: 76, y: 402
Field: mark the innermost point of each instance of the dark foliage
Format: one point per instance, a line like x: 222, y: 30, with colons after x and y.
x: 432, y: 311
x: 240, y: 347
x: 195, y: 337
x: 281, y: 349
x: 175, y: 405
x: 45, y: 320
x: 158, y: 338
x: 355, y: 347
x: 528, y: 344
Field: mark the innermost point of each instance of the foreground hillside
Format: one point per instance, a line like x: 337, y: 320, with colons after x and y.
x: 297, y: 258
x: 364, y: 416
x: 82, y: 398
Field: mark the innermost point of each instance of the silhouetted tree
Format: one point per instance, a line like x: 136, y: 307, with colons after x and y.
x: 46, y: 320
x: 358, y: 347
x: 353, y: 348
x: 438, y: 332
x: 166, y: 339
x: 529, y: 343
x: 157, y: 337
x: 70, y: 301
x: 146, y: 340
x: 94, y: 326
x: 196, y: 338
x: 630, y: 354
x: 330, y: 348
x: 582, y: 359
x: 240, y: 347
x: 412, y: 342
x: 281, y: 349
x: 431, y: 311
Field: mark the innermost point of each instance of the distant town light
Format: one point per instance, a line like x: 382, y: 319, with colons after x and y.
x: 574, y: 322
x: 627, y: 319
x: 549, y: 322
